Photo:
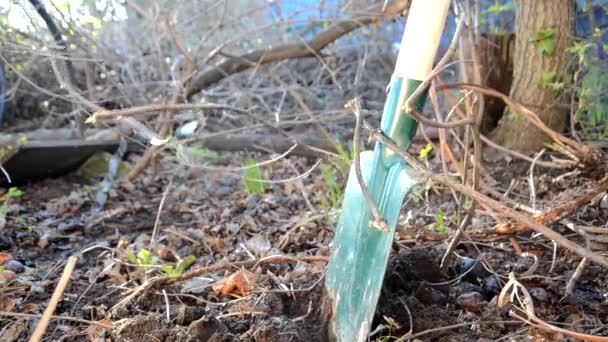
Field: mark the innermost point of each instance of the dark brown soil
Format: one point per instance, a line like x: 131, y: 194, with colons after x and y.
x: 215, y: 221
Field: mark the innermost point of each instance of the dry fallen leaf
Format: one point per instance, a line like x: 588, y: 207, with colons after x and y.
x: 238, y: 284
x: 4, y: 257
x: 30, y: 307
x: 6, y: 303
x: 116, y: 276
x: 12, y: 332
x: 94, y: 331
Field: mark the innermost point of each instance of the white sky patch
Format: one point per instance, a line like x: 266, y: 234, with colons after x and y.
x: 22, y: 14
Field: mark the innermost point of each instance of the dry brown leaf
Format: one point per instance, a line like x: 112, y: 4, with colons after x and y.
x: 94, y: 331
x: 30, y: 307
x: 4, y: 257
x: 214, y: 241
x: 238, y: 284
x: 116, y: 276
x: 6, y: 303
x: 13, y: 331
x: 167, y: 254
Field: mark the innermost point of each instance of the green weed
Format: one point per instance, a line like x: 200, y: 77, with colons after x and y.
x: 12, y: 193
x: 590, y: 83
x: 334, y: 174
x: 145, y: 259
x: 252, y: 178
x: 440, y: 221
x: 424, y: 152
x: 544, y: 40
x: 171, y: 269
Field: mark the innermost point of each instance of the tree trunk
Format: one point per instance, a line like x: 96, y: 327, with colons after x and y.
x: 532, y: 68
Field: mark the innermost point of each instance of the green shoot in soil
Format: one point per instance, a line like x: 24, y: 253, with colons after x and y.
x: 252, y: 178
x: 334, y: 174
x: 145, y: 259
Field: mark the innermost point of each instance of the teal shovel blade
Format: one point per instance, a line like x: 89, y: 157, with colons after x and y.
x: 360, y: 253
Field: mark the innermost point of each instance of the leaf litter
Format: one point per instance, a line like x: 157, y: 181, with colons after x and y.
x: 209, y: 219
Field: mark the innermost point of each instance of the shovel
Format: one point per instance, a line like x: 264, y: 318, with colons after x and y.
x: 360, y: 253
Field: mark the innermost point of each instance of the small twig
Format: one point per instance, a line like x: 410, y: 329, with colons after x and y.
x: 239, y: 313
x: 379, y: 222
x: 50, y: 308
x: 531, y: 179
x: 554, y: 256
x: 409, y: 315
x: 153, y: 108
x: 450, y: 327
x: 67, y: 318
x: 167, y: 306
x: 530, y: 271
x: 158, y: 213
x: 577, y: 274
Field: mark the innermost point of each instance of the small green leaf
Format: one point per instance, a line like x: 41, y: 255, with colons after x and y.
x: 542, y: 35
x: 440, y: 219
x: 587, y: 6
x: 546, y: 47
x: 144, y: 257
x: 185, y: 263
x: 425, y: 151
x: 549, y: 76
x: 252, y: 178
x: 14, y: 192
x: 168, y: 269
x: 131, y: 258
x: 597, y: 33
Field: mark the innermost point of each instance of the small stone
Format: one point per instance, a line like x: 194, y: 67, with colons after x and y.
x: 37, y: 289
x: 70, y: 226
x: 604, y: 203
x: 252, y: 201
x: 424, y: 294
x: 15, y: 266
x: 225, y: 190
x: 44, y: 241
x: 233, y: 228
x: 465, y: 264
x: 226, y: 213
x: 258, y: 245
x: 226, y: 181
x: 275, y: 201
x: 465, y: 287
x: 211, y: 187
x: 249, y: 212
x: 538, y: 293
x: 471, y: 302
x: 439, y: 297
x: 490, y: 287
x: 5, y: 242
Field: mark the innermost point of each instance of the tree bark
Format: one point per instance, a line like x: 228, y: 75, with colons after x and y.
x: 531, y: 66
